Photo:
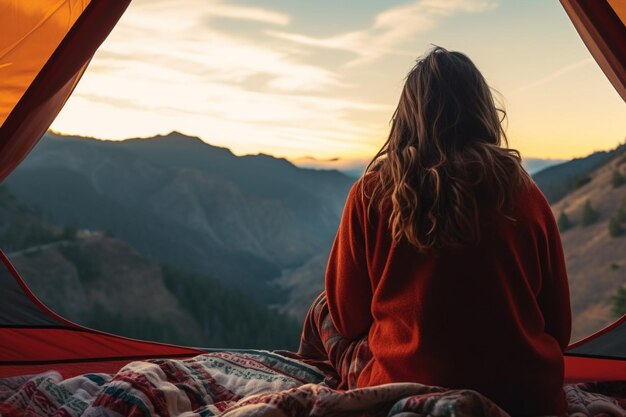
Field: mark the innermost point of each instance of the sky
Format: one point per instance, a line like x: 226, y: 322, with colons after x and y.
x: 321, y: 79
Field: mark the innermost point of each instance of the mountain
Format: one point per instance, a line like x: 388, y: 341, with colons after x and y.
x: 595, y: 257
x: 101, y: 282
x: 349, y: 166
x: 356, y: 167
x: 534, y: 165
x: 303, y: 284
x: 176, y: 199
x: 558, y: 180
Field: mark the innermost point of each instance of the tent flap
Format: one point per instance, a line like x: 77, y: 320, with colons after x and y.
x: 48, y: 46
x: 35, y: 339
x: 600, y: 24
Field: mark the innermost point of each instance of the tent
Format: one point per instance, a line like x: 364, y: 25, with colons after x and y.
x: 45, y: 46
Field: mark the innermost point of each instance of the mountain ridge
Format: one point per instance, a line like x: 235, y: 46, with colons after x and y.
x: 182, y: 201
x: 558, y: 180
x: 596, y: 261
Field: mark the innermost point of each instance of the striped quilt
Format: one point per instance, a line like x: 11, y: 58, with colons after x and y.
x: 318, y: 380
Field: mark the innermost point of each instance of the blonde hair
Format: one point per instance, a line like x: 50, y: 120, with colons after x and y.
x: 443, y: 147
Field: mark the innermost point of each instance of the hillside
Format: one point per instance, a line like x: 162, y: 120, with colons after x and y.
x: 179, y: 200
x: 596, y: 261
x: 102, y: 282
x: 558, y: 180
x: 303, y: 284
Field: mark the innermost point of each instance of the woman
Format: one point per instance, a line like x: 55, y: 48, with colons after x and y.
x: 448, y: 258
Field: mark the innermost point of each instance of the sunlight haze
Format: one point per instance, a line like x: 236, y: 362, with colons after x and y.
x: 321, y: 79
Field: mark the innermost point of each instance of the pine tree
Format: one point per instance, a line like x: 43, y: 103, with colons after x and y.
x: 615, y: 227
x: 563, y: 222
x: 619, y: 302
x: 617, y: 179
x: 621, y: 212
x: 589, y: 215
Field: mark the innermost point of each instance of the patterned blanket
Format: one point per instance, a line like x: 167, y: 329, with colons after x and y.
x: 318, y: 380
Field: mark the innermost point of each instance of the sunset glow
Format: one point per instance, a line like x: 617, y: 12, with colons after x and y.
x: 321, y: 79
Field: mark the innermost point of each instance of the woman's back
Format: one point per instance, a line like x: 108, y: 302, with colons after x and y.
x: 492, y: 316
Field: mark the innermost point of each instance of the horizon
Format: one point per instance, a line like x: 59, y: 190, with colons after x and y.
x: 345, y: 165
x: 323, y: 79
x: 290, y: 158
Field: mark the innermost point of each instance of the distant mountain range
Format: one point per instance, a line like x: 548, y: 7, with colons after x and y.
x: 535, y: 165
x: 179, y: 200
x: 356, y: 167
x: 558, y: 180
x: 351, y: 167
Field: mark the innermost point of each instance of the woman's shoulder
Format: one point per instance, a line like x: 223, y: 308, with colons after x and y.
x: 534, y: 207
x: 532, y: 196
x: 364, y: 186
x: 367, y: 190
x: 359, y: 198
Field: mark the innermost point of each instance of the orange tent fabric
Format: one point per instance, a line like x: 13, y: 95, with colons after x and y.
x: 31, y: 32
x: 44, y: 48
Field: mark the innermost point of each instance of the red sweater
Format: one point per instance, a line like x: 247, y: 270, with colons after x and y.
x: 493, y: 317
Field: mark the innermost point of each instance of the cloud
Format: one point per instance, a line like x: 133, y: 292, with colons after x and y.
x: 391, y: 28
x: 178, y: 36
x: 151, y: 81
x: 168, y: 66
x: 244, y: 121
x: 211, y: 9
x: 251, y: 13
x: 328, y: 116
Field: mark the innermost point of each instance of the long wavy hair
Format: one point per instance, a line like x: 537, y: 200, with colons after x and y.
x: 444, y: 157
